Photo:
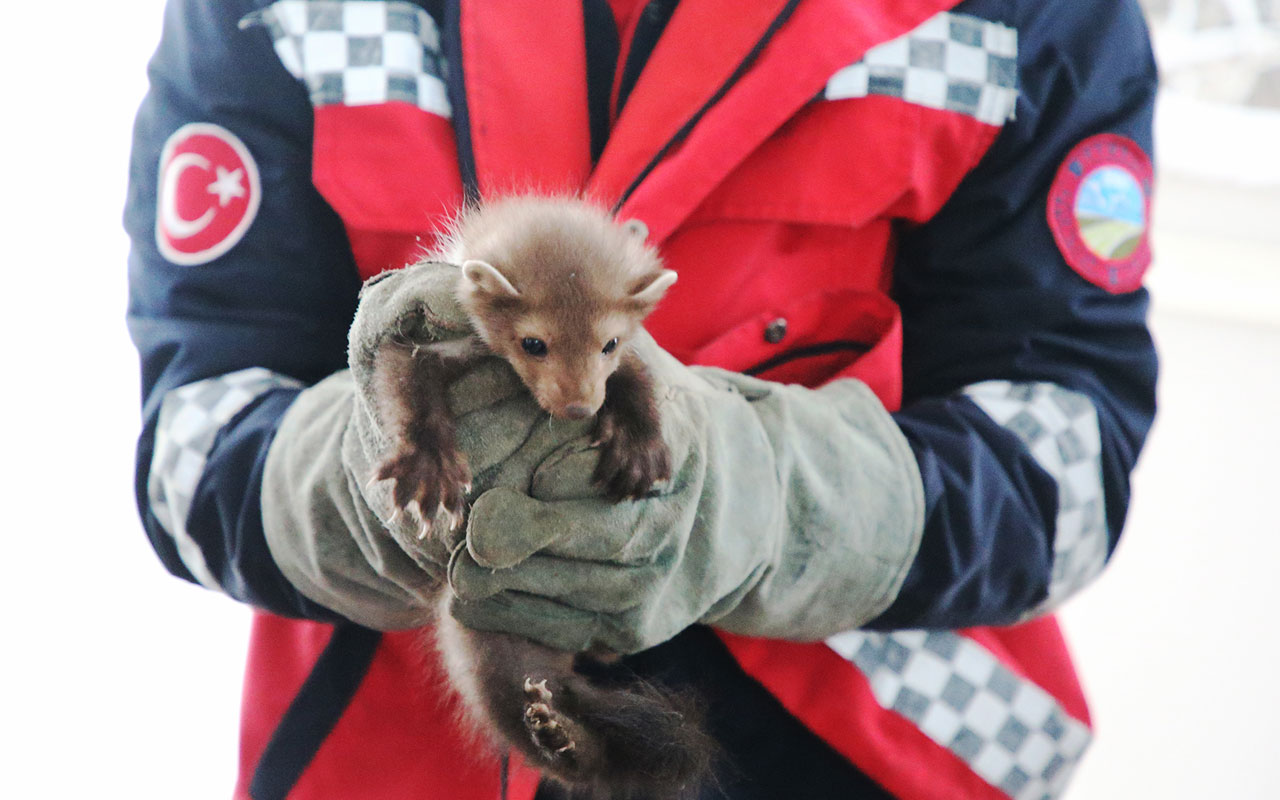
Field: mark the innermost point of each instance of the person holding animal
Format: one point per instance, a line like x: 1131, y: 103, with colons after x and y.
x: 899, y: 385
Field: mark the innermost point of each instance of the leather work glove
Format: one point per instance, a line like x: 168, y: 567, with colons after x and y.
x: 792, y: 513
x: 331, y: 528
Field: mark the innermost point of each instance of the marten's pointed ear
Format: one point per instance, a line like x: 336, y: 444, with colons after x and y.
x: 487, y: 279
x: 649, y: 289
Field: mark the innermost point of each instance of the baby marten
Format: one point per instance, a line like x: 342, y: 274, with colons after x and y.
x: 557, y: 289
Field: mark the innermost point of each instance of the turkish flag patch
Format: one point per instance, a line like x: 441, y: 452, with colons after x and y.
x: 1100, y: 211
x: 209, y: 192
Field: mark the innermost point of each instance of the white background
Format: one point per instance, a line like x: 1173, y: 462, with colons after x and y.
x: 119, y: 680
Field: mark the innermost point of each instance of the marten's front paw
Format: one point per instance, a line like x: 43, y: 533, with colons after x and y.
x: 428, y: 481
x: 632, y: 458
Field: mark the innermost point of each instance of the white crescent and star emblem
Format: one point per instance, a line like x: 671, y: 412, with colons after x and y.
x: 209, y: 193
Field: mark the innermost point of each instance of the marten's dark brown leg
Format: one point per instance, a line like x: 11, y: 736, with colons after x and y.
x: 429, y: 471
x: 628, y: 430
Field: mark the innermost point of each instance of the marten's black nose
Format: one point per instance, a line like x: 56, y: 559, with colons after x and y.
x: 576, y: 411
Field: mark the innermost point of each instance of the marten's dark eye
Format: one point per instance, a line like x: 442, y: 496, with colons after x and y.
x: 534, y: 347
x: 610, y: 346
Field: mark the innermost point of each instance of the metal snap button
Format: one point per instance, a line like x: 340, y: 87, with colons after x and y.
x: 775, y: 331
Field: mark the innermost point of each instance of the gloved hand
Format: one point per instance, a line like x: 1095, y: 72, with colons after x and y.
x: 792, y: 513
x: 331, y: 528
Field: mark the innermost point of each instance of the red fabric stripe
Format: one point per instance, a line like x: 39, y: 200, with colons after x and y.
x: 388, y: 167
x: 280, y: 655
x: 954, y: 144
x: 527, y: 95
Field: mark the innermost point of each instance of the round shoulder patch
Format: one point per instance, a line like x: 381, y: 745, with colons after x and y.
x: 1100, y: 211
x: 208, y: 194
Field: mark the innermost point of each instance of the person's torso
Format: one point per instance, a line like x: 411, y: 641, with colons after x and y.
x: 772, y: 150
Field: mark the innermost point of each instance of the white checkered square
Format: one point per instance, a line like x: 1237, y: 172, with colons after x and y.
x: 936, y: 28
x: 985, y: 714
x: 886, y: 686
x: 993, y: 763
x: 362, y: 86
x: 190, y: 418
x: 359, y: 52
x: 926, y: 673
x: 1060, y: 430
x: 324, y: 51
x: 364, y: 19
x: 292, y: 15
x: 1000, y: 41
x: 402, y: 53
x: 1010, y: 732
x: 977, y: 671
x: 430, y: 92
x: 849, y: 82
x: 953, y: 62
x: 941, y: 723
x: 966, y: 64
x: 995, y: 103
x: 925, y: 87
x: 893, y: 53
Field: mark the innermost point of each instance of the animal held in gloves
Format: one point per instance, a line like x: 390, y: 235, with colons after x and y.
x: 558, y: 289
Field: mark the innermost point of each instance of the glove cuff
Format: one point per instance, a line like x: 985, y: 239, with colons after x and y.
x: 323, y: 535
x: 854, y: 515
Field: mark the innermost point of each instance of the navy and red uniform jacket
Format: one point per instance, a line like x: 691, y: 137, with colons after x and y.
x: 948, y: 201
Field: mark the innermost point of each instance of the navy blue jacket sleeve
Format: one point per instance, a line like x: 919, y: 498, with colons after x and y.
x: 271, y: 312
x: 989, y: 300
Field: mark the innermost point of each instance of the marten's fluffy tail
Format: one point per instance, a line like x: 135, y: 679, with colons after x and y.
x: 605, y: 735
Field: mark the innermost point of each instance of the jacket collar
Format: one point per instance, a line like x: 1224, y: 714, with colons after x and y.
x: 710, y: 94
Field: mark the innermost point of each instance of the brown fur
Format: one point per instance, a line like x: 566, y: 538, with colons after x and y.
x: 561, y: 272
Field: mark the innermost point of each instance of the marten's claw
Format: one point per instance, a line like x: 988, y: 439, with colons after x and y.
x: 414, y: 512
x: 538, y: 716
x: 455, y: 518
x: 537, y: 691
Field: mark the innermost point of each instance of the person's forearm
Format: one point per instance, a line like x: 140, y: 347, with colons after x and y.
x: 1016, y: 495
x: 201, y: 462
x: 230, y: 319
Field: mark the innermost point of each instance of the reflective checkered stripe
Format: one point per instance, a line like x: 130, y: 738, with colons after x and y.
x: 359, y: 52
x: 953, y: 62
x: 190, y: 418
x: 1060, y: 429
x: 1006, y: 729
